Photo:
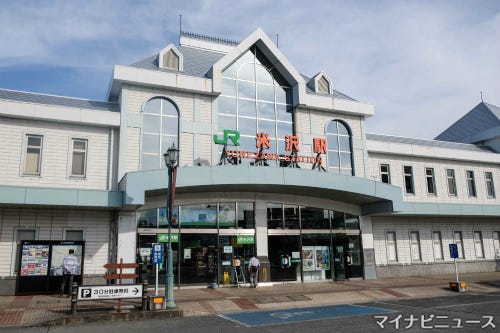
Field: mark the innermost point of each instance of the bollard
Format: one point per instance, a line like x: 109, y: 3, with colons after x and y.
x: 74, y: 291
x: 144, y: 295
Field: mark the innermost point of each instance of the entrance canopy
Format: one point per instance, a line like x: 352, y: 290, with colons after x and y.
x: 373, y: 197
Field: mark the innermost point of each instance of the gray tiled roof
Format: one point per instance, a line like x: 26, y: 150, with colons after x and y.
x: 481, y: 118
x: 198, y: 62
x: 29, y: 97
x: 427, y: 143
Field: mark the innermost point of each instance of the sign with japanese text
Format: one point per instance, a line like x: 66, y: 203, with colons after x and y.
x: 245, y: 239
x: 157, y: 257
x: 87, y: 293
x: 453, y: 250
x: 163, y: 238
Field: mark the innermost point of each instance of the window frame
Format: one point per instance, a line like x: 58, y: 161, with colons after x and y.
x: 440, y: 244
x: 496, y: 243
x: 479, y: 242
x: 418, y: 244
x: 430, y: 180
x: 454, y: 183
x: 72, y: 157
x: 471, y: 183
x: 388, y: 246
x: 489, y: 183
x: 336, y: 136
x: 65, y: 234
x: 412, y: 181
x: 386, y: 173
x: 25, y: 155
x: 16, y: 247
x: 460, y: 244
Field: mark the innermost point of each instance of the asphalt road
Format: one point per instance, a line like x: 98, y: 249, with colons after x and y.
x: 461, y: 313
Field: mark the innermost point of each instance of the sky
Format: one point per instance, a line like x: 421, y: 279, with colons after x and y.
x: 422, y: 64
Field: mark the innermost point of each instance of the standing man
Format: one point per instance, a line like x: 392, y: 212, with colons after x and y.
x: 69, y: 265
x: 253, y: 269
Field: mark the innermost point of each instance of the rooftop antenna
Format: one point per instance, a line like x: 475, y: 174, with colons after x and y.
x: 481, y: 96
x: 277, y: 40
x: 180, y: 27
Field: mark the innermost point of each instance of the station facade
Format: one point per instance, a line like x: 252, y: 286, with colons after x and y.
x: 272, y: 163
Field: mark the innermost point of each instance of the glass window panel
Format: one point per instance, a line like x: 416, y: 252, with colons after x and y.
x: 347, y: 172
x: 231, y: 71
x: 338, y: 220
x: 153, y: 106
x: 168, y: 109
x: 162, y: 217
x: 281, y: 147
x: 32, y: 163
x: 265, y: 92
x: 280, y: 95
x: 247, y: 126
x: 227, y: 122
x: 268, y: 127
x: 284, y: 129
x: 332, y: 127
x: 246, y: 215
x: 266, y: 110
x: 351, y: 222
x: 314, y: 218
x: 169, y: 125
x: 247, y: 143
x: 227, y: 214
x: 229, y: 87
x: 78, y: 164
x: 246, y: 108
x: 74, y: 235
x: 332, y: 142
x: 333, y: 159
x: 291, y: 217
x: 151, y: 123
x: 147, y: 218
x: 198, y: 216
x: 274, y: 216
x: 247, y: 72
x: 227, y: 105
x: 246, y: 89
x: 345, y: 143
x: 150, y: 162
x: 247, y: 57
x: 263, y: 75
x: 79, y: 144
x: 342, y: 129
x: 282, y: 113
x: 345, y: 160
x: 150, y: 143
x: 166, y: 142
x: 34, y: 141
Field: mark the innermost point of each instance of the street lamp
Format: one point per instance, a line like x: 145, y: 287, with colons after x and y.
x: 170, y: 157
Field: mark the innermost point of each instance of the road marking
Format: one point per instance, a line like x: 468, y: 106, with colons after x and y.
x: 285, y: 316
x: 464, y: 304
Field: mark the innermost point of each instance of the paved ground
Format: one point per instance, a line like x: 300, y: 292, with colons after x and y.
x: 37, y: 310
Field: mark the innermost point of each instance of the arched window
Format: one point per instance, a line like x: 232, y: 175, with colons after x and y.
x: 339, y: 145
x: 255, y: 98
x: 160, y: 128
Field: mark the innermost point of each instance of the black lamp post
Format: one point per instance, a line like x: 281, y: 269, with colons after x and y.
x: 170, y: 157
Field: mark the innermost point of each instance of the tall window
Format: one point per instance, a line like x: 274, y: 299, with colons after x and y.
x: 385, y: 173
x: 437, y: 244
x: 392, y: 252
x: 78, y: 158
x: 478, y: 244
x: 457, y: 237
x: 490, y: 187
x: 415, y: 246
x: 33, y: 157
x: 496, y: 243
x: 408, y: 175
x: 160, y: 128
x: 452, y: 184
x: 429, y: 177
x: 471, y: 183
x: 338, y: 137
x: 255, y: 99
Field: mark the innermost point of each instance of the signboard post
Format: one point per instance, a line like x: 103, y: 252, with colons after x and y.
x: 457, y: 285
x: 157, y: 259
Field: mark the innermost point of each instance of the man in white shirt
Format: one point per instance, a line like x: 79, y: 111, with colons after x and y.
x: 69, y: 265
x: 253, y: 269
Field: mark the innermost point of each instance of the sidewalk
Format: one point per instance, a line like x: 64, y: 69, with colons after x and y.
x: 50, y: 309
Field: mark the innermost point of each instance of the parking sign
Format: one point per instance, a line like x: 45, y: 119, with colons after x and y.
x: 157, y: 257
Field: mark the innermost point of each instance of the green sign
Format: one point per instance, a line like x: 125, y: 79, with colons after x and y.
x: 245, y: 239
x: 163, y: 238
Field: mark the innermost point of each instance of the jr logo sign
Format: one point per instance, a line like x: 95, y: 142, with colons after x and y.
x: 228, y: 134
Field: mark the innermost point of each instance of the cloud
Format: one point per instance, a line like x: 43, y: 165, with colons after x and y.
x: 421, y: 63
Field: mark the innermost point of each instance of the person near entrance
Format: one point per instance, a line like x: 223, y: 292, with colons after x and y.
x: 69, y: 265
x: 253, y: 269
x: 347, y: 265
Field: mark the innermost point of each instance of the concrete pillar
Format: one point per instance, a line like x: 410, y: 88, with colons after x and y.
x: 368, y: 249
x: 126, y: 242
x: 261, y: 239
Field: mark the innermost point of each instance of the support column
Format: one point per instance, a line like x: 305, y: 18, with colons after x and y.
x: 126, y: 242
x: 368, y: 248
x: 261, y: 239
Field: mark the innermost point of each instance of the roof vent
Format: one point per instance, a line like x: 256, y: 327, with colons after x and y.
x: 170, y: 58
x: 321, y: 83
